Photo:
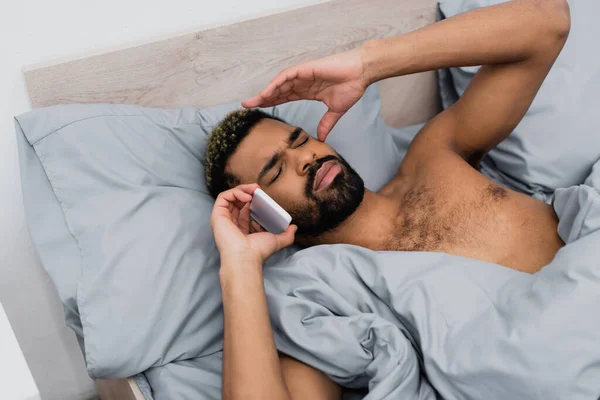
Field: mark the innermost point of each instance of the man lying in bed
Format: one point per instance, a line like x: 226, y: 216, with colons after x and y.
x: 438, y: 201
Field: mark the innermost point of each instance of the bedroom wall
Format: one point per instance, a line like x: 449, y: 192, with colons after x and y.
x: 33, y: 31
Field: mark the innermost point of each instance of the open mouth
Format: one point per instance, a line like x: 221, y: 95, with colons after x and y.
x: 326, y: 174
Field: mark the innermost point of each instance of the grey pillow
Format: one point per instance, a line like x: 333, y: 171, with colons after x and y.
x: 556, y: 144
x: 118, y: 211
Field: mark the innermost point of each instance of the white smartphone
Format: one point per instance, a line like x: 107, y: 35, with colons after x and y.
x: 269, y: 214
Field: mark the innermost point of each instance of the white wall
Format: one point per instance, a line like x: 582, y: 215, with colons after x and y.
x: 34, y: 31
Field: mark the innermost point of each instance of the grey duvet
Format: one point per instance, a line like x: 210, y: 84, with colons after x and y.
x: 431, y: 325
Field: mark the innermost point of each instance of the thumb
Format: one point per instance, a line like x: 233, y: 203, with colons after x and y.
x: 286, y: 238
x: 327, y: 123
x: 253, y: 101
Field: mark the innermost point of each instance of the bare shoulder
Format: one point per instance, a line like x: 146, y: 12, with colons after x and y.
x: 306, y: 382
x: 433, y: 161
x: 431, y: 146
x: 433, y: 152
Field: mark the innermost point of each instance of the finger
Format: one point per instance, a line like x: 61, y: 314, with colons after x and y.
x: 252, y: 102
x: 284, y: 76
x: 292, y: 97
x: 241, y: 193
x: 227, y: 213
x: 235, y: 216
x: 244, y: 219
x: 327, y: 123
x: 275, y: 102
x: 285, y: 89
x: 256, y: 227
x: 271, y: 95
x: 228, y: 200
x: 268, y: 94
x: 248, y: 187
x: 220, y: 212
x: 236, y: 204
x: 286, y: 238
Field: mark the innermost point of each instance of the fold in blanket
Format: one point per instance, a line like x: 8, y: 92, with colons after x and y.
x: 431, y: 325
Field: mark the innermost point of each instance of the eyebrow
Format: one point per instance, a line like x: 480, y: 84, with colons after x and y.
x: 277, y: 155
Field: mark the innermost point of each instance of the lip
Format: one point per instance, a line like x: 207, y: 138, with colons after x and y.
x: 321, y: 173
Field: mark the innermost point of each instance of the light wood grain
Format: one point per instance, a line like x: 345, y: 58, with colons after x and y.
x: 229, y: 63
x: 121, y: 389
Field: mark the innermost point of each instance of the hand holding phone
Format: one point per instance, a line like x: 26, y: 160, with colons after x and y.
x: 269, y: 214
x: 231, y: 223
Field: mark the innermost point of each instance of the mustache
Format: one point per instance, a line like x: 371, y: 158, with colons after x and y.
x: 312, y: 172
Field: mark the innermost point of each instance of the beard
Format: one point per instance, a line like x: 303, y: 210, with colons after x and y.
x: 332, y: 206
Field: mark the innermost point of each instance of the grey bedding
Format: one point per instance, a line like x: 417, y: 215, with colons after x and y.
x: 117, y: 208
x: 197, y: 378
x: 432, y: 326
x: 446, y: 315
x: 428, y: 325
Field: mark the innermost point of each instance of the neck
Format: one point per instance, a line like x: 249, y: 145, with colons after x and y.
x: 375, y: 215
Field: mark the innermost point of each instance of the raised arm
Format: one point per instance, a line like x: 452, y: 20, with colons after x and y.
x: 516, y: 42
x: 252, y: 368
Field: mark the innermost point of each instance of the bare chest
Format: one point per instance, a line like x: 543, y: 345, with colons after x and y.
x: 483, y: 221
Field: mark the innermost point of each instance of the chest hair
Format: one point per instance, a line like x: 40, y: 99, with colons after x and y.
x: 432, y: 220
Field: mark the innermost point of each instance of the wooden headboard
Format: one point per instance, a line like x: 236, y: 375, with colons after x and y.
x: 231, y: 62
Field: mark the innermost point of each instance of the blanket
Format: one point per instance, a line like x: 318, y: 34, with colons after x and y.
x: 411, y: 325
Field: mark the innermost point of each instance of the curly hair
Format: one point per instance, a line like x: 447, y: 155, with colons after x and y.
x: 223, y: 140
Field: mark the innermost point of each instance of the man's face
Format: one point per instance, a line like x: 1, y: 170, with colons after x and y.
x: 305, y: 176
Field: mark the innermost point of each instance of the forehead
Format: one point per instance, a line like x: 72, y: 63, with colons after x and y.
x: 255, y: 150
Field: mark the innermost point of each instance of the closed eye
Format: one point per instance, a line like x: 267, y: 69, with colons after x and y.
x: 276, y: 176
x: 303, y: 142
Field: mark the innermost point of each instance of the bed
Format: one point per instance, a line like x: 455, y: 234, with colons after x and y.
x: 476, y: 330
x: 232, y: 61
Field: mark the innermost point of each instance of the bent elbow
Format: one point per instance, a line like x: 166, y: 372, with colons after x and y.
x: 558, y: 17
x: 564, y: 24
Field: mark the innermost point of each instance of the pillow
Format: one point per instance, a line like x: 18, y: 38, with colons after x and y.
x: 556, y: 144
x: 118, y: 211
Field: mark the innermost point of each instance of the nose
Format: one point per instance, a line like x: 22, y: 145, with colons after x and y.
x: 304, y: 159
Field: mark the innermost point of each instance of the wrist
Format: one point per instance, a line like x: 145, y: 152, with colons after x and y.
x: 368, y: 53
x: 384, y: 58
x: 240, y: 259
x: 239, y: 268
x: 240, y: 256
